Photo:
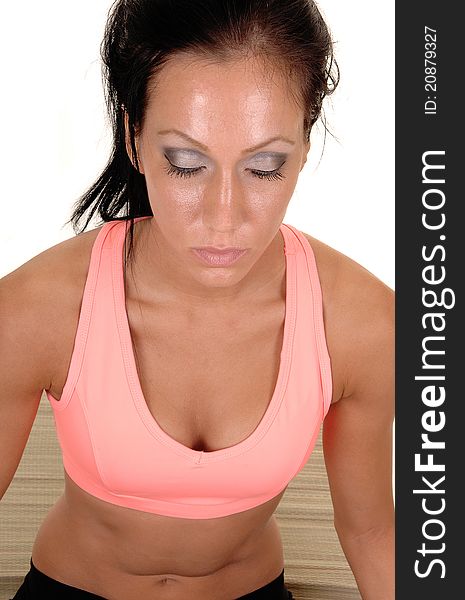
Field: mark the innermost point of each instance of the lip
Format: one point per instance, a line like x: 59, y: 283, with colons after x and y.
x: 222, y: 250
x: 219, y: 257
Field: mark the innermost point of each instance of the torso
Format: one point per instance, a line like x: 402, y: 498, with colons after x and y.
x: 121, y: 553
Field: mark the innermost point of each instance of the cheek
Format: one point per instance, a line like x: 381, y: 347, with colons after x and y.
x: 269, y: 202
x: 175, y: 212
x: 171, y: 201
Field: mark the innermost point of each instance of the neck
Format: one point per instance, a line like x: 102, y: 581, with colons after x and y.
x: 161, y: 277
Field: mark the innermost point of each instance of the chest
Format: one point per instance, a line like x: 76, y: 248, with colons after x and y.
x: 208, y: 378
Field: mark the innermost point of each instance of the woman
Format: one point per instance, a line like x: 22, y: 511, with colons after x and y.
x: 189, y: 389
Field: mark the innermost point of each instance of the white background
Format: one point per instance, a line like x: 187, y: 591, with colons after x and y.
x: 55, y: 138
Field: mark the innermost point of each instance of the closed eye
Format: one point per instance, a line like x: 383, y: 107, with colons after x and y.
x: 180, y: 171
x: 175, y: 171
x: 276, y: 174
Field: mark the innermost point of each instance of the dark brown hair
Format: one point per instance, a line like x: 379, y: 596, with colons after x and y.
x: 142, y: 35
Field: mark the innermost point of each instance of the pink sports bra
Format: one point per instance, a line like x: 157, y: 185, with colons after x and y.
x: 114, y: 449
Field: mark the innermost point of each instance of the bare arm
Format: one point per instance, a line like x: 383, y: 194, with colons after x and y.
x: 23, y: 364
x: 357, y: 438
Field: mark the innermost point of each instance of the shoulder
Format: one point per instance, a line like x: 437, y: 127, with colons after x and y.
x: 41, y: 298
x: 49, y: 273
x: 359, y: 312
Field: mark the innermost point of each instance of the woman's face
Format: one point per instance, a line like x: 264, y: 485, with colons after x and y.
x: 214, y: 177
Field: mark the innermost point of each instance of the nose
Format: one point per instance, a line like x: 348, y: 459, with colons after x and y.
x: 223, y: 206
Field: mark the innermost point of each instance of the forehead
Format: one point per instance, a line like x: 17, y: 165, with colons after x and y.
x: 193, y: 89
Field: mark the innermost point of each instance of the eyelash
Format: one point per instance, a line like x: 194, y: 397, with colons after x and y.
x: 180, y: 172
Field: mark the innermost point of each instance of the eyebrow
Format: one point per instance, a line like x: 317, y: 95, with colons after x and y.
x: 205, y: 148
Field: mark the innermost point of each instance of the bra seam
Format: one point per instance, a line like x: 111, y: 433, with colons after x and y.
x: 116, y: 496
x: 302, y: 464
x: 94, y: 449
x: 317, y: 313
x: 84, y: 321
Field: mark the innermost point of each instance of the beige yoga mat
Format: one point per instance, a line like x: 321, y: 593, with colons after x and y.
x: 315, y: 565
